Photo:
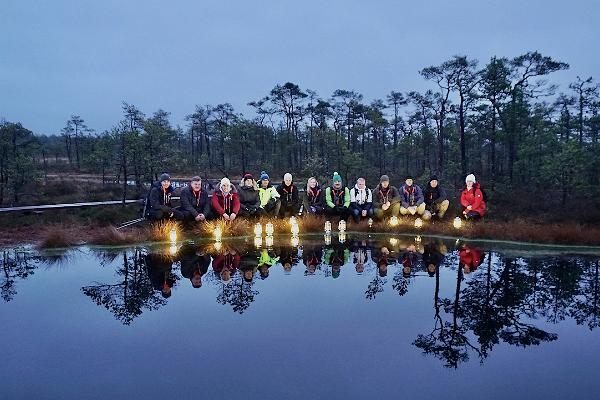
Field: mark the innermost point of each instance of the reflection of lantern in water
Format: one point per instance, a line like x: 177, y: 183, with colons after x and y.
x: 457, y: 223
x: 257, y: 241
x: 327, y: 226
x: 269, y: 229
x: 370, y: 222
x: 258, y: 230
x: 218, y: 233
x: 173, y: 235
x: 418, y: 239
x: 269, y: 241
x: 394, y: 241
x: 342, y: 226
x: 173, y: 249
x: 394, y: 221
x: 418, y: 223
x: 342, y: 237
x: 295, y: 241
x: 218, y: 245
x: 327, y: 239
x: 293, y: 221
x: 295, y: 229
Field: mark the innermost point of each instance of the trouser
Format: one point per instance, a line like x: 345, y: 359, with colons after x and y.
x: 338, y: 211
x: 188, y: 216
x: 313, y: 210
x: 418, y: 210
x: 393, y: 211
x: 158, y: 215
x: 288, y: 210
x: 472, y: 215
x: 252, y: 212
x: 272, y: 208
x: 439, y: 209
x: 357, y: 209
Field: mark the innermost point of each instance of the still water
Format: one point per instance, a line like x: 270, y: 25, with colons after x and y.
x: 367, y: 318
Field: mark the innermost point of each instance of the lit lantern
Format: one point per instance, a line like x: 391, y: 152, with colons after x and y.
x: 394, y: 241
x: 370, y: 222
x: 173, y: 249
x: 269, y: 229
x: 295, y: 241
x: 269, y: 241
x: 293, y: 221
x: 342, y: 237
x: 327, y: 239
x: 327, y: 226
x: 342, y: 226
x: 418, y: 239
x: 258, y: 230
x: 173, y: 235
x: 218, y: 245
x: 457, y: 223
x: 295, y: 230
x: 258, y: 241
x: 418, y: 223
x: 218, y: 233
x: 394, y: 221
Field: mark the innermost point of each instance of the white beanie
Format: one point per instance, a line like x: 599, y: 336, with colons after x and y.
x: 471, y: 178
x: 225, y: 181
x: 287, y: 176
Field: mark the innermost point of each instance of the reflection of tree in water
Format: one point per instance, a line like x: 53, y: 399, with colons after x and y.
x: 16, y: 265
x: 237, y: 293
x: 586, y: 308
x: 127, y: 300
x: 375, y: 286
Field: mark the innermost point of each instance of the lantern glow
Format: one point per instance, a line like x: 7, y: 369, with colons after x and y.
x: 269, y: 241
x: 218, y: 233
x: 394, y: 221
x: 418, y: 223
x: 370, y: 222
x: 258, y: 230
x: 257, y: 241
x: 295, y: 229
x: 173, y: 249
x: 342, y: 237
x: 173, y: 235
x: 295, y: 241
x: 327, y: 239
x: 342, y: 226
x: 293, y: 221
x: 457, y: 223
x: 327, y: 226
x: 269, y: 230
x: 218, y: 245
x: 393, y: 241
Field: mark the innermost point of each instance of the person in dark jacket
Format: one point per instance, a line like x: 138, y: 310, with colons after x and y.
x: 436, y: 199
x: 386, y: 199
x: 432, y: 258
x: 194, y: 264
x: 225, y: 202
x: 290, y: 200
x: 412, y: 200
x: 195, y: 205
x: 249, y: 198
x: 160, y: 272
x: 159, y: 204
x: 313, y: 202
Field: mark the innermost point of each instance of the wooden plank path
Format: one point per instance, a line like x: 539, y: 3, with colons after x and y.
x: 43, y: 207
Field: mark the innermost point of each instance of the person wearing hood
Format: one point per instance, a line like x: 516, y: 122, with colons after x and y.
x: 158, y: 205
x: 411, y: 199
x: 225, y: 202
x: 436, y: 199
x: 361, y: 201
x: 195, y: 205
x: 386, y: 199
x: 337, y: 198
x: 290, y: 200
x: 269, y: 197
x: 249, y: 198
x: 471, y: 199
x: 313, y: 202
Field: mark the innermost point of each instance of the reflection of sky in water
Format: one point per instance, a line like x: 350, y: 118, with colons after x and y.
x: 340, y: 321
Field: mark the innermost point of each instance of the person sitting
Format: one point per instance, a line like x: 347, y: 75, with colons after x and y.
x: 290, y: 200
x: 436, y: 199
x: 269, y: 198
x: 313, y: 203
x: 412, y: 201
x: 470, y: 258
x: 194, y: 264
x: 249, y: 198
x: 386, y: 200
x: 158, y: 205
x: 225, y: 202
x: 361, y: 201
x: 337, y: 199
x: 195, y: 205
x: 471, y: 199
x: 432, y: 258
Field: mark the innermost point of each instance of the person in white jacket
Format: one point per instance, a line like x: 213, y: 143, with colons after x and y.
x: 361, y: 201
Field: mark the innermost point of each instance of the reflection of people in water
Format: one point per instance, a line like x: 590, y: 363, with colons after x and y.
x: 264, y: 263
x: 312, y: 257
x: 288, y: 258
x: 248, y: 265
x: 194, y: 264
x: 382, y: 257
x: 360, y: 255
x: 432, y: 257
x: 160, y: 272
x: 225, y: 264
x: 336, y: 256
x: 470, y: 258
x: 409, y: 259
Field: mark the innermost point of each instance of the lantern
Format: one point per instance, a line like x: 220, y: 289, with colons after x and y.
x: 295, y: 241
x: 394, y: 241
x: 269, y: 229
x: 295, y: 230
x: 173, y: 249
x: 258, y: 241
x: 394, y: 221
x: 173, y: 235
x: 293, y: 221
x: 327, y: 226
x: 218, y: 233
x: 269, y: 241
x: 327, y: 239
x: 218, y: 245
x: 342, y: 237
x: 418, y: 239
x: 258, y: 230
x: 457, y: 223
x: 370, y: 222
x: 418, y: 223
x: 342, y: 226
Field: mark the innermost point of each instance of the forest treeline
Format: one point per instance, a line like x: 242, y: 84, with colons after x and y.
x: 505, y: 121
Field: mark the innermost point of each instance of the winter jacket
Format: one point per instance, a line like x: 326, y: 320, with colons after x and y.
x: 195, y: 203
x: 471, y: 257
x: 249, y: 198
x: 289, y: 196
x: 473, y: 198
x: 225, y: 203
x: 360, y: 196
x: 226, y: 261
x: 159, y: 199
x: 337, y: 198
x: 382, y: 195
x: 268, y: 194
x: 313, y: 197
x: 434, y: 195
x: 411, y: 196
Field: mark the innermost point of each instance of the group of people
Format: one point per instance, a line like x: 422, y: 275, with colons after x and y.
x: 253, y: 199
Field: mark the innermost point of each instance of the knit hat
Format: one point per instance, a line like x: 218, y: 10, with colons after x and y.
x: 336, y: 177
x: 471, y: 178
x: 433, y: 178
x: 384, y: 178
x: 247, y: 176
x: 264, y: 176
x: 287, y: 176
x: 225, y: 181
x: 409, y: 177
x: 164, y: 177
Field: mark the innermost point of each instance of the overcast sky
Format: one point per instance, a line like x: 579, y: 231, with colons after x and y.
x: 59, y: 58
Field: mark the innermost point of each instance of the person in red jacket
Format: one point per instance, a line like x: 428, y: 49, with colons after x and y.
x: 471, y: 199
x: 225, y: 201
x: 470, y: 258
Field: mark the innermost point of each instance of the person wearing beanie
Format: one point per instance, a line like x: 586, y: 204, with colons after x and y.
x: 269, y: 197
x: 361, y: 201
x: 471, y: 199
x: 195, y: 205
x: 290, y: 199
x: 249, y: 198
x: 386, y: 199
x: 436, y: 199
x: 337, y: 199
x: 313, y: 202
x: 225, y: 201
x: 158, y: 203
x: 411, y: 200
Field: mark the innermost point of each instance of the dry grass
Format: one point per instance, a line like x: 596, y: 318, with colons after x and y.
x: 159, y: 231
x: 111, y: 236
x: 57, y: 237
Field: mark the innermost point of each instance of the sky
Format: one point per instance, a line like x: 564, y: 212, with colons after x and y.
x: 59, y: 58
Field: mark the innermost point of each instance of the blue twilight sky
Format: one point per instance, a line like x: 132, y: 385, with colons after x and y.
x: 59, y: 58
